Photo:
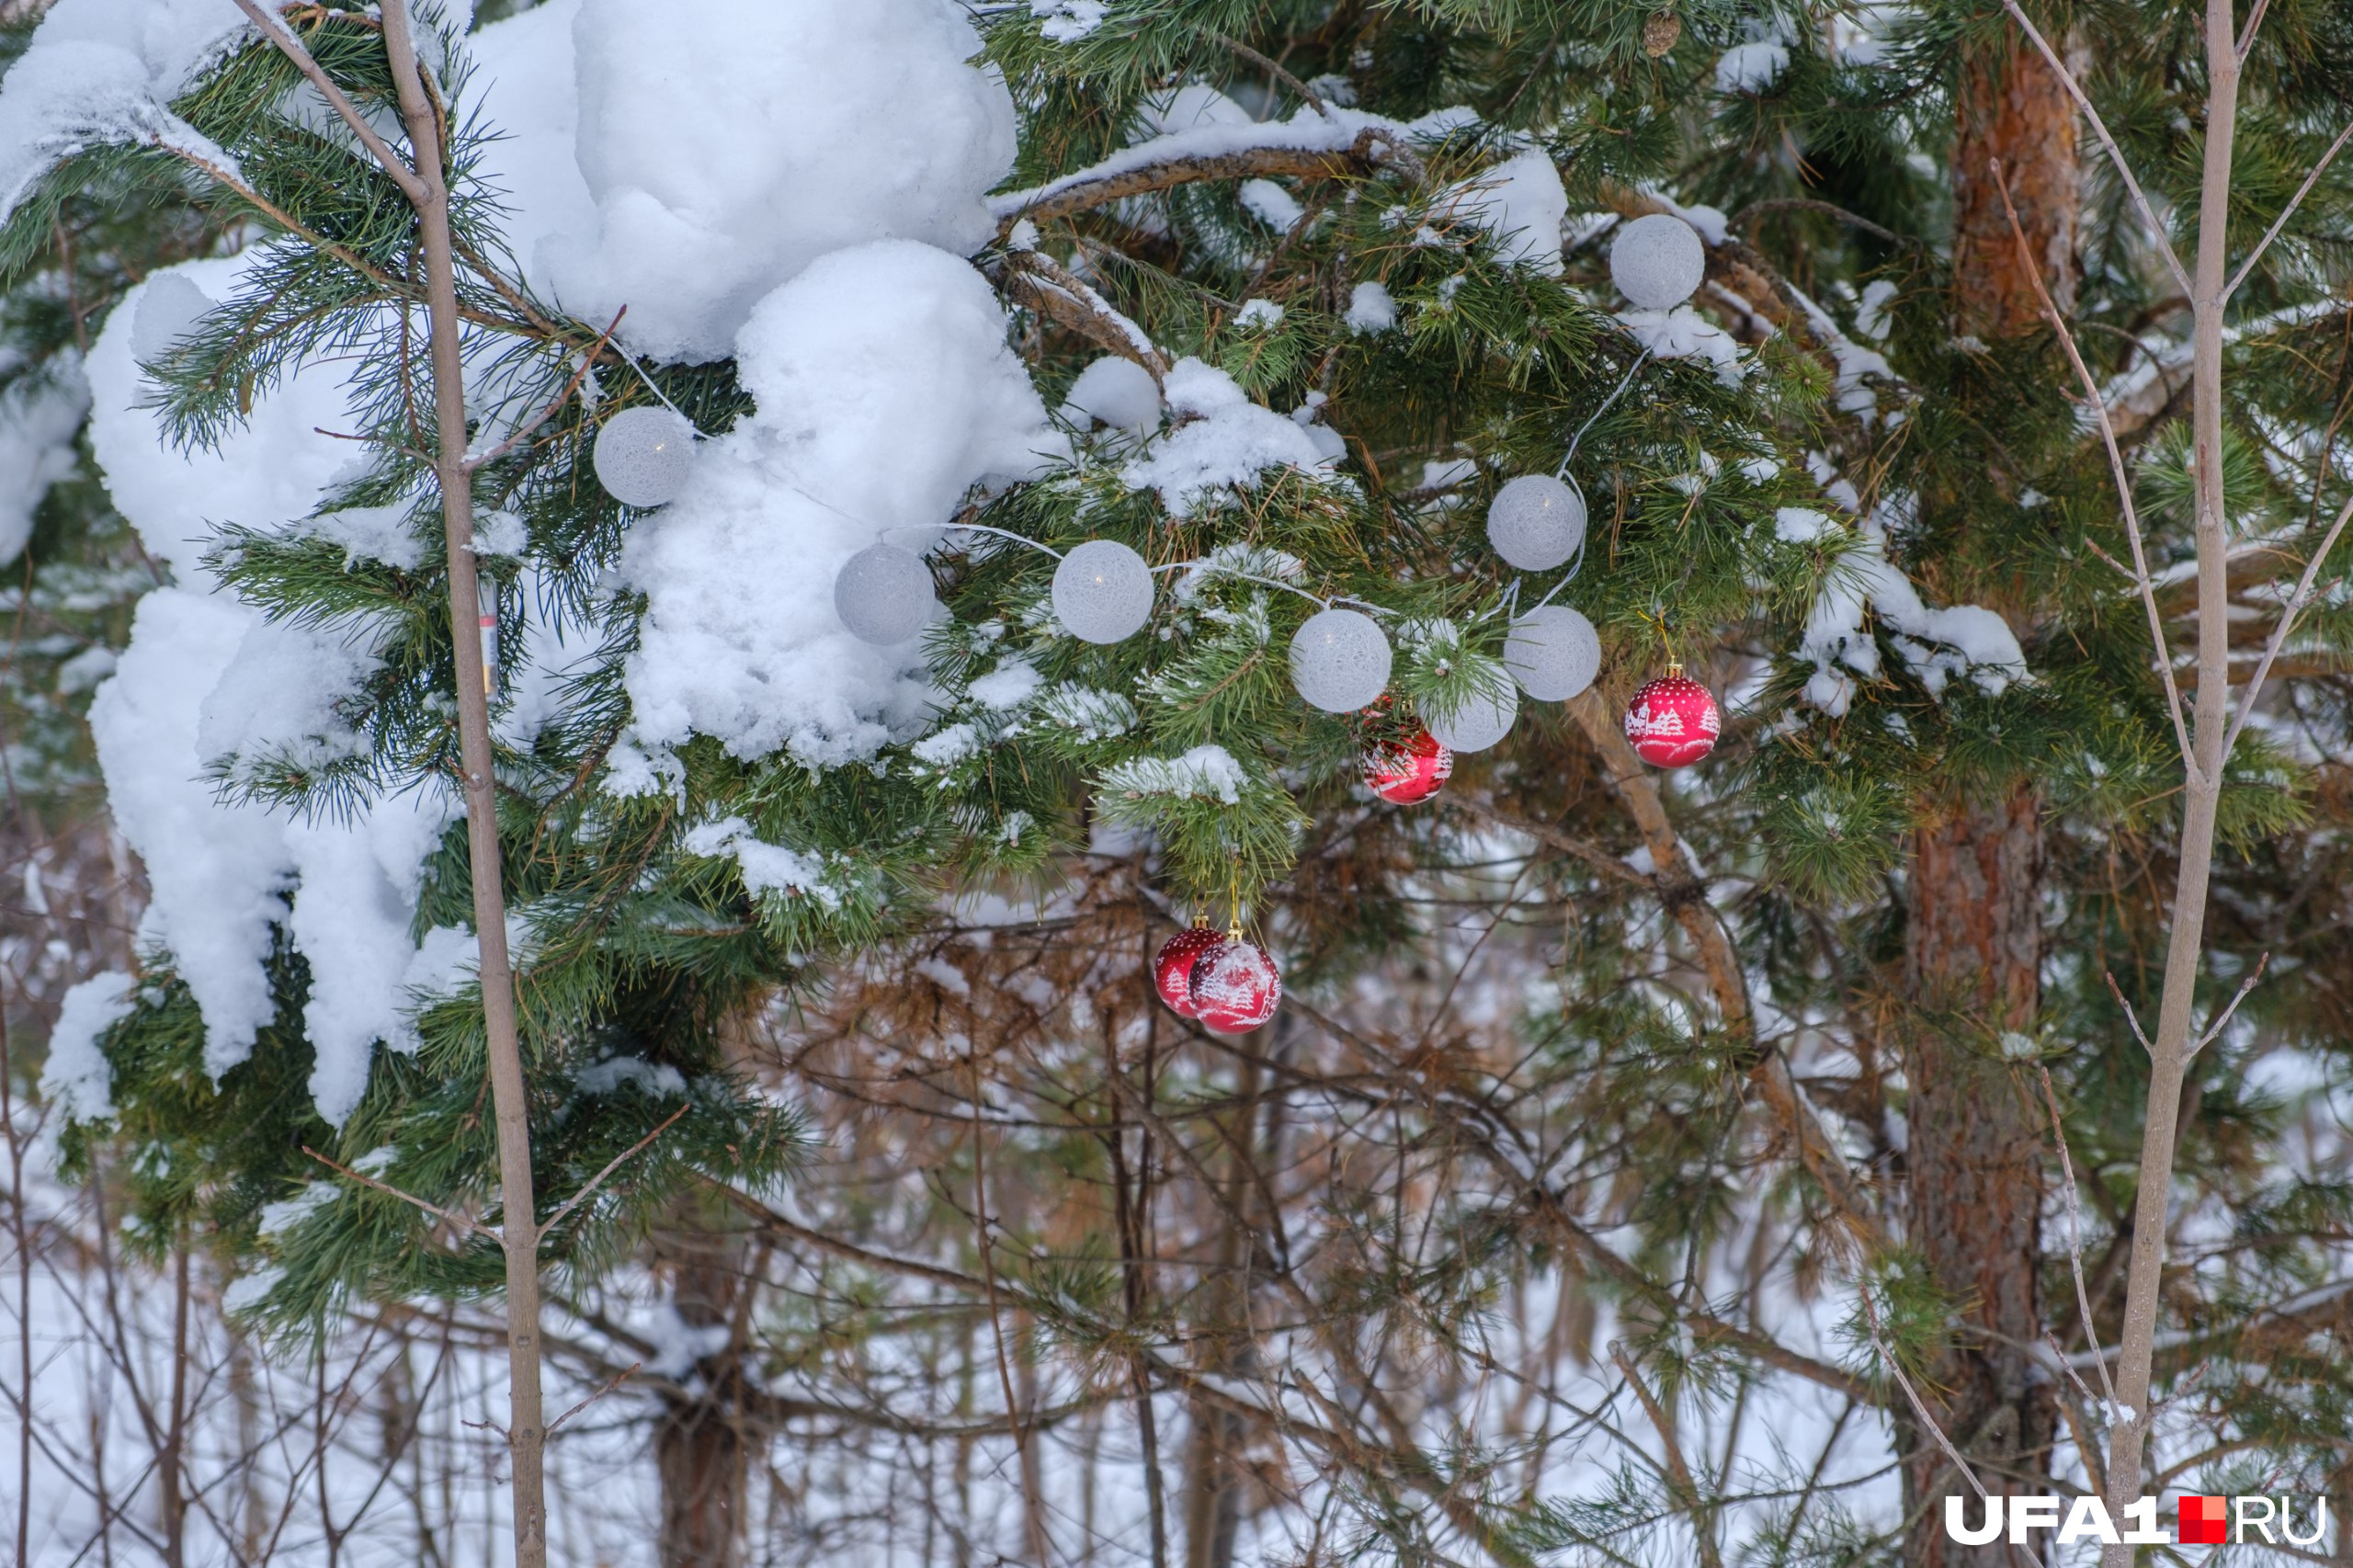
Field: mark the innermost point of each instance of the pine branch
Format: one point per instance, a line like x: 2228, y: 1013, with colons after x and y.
x: 2174, y: 706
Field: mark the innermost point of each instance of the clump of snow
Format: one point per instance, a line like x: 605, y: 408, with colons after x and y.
x: 1204, y: 773
x: 368, y: 533
x: 1188, y: 107
x: 206, y: 678
x: 1802, y: 525
x: 885, y: 389
x: 278, y: 1218
x: 352, y: 917
x: 77, y: 1078
x: 1684, y: 333
x: 718, y: 174
x: 766, y: 867
x: 1225, y: 444
x: 1370, y: 308
x: 656, y: 1080
x: 1712, y: 221
x: 249, y: 1290
x: 1116, y: 391
x: 105, y: 71
x: 1263, y: 315
x: 38, y: 420
x: 1519, y: 201
x: 216, y: 873
x: 1938, y: 644
x: 1871, y: 313
x: 1067, y: 21
x: 1270, y: 204
x: 1751, y: 67
x: 1013, y: 683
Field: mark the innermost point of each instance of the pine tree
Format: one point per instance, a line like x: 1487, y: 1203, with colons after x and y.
x: 1850, y: 484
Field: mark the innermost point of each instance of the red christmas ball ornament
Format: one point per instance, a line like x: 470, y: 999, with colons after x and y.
x: 1674, y: 721
x: 1235, y: 986
x: 1409, y: 771
x: 1172, y: 972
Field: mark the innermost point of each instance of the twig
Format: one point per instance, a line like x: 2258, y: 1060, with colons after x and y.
x: 1912, y: 1396
x: 2254, y: 20
x: 1066, y: 296
x: 2129, y: 1018
x: 1703, y: 1530
x: 2116, y: 464
x: 613, y: 1164
x: 287, y: 44
x: 2157, y: 235
x: 1274, y: 68
x: 2224, y: 1021
x: 460, y: 1220
x: 2294, y: 201
x: 609, y: 1387
x: 2076, y: 1238
x: 587, y: 361
x: 2287, y: 622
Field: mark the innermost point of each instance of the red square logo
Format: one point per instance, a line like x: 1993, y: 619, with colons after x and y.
x: 2202, y: 1520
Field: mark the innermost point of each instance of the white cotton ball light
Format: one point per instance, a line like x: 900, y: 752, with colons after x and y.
x: 1476, y: 723
x: 883, y: 595
x: 1536, y: 522
x: 1553, y: 653
x: 1339, y: 661
x: 642, y: 456
x: 1103, y: 592
x: 1658, y: 261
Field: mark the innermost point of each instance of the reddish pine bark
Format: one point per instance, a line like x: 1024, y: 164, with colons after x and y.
x: 1973, y: 942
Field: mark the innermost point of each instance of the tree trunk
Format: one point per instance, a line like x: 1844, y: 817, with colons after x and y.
x: 1976, y: 1157
x: 1973, y: 935
x: 700, y: 1450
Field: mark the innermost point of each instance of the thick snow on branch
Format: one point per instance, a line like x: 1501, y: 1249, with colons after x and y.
x: 101, y: 71
x: 1212, y: 137
x: 885, y: 389
x: 1937, y: 644
x: 801, y: 198
x: 1224, y: 444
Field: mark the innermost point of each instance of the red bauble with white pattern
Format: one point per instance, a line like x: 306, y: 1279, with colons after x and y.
x: 1172, y: 972
x: 1673, y: 721
x: 1407, y: 771
x: 1235, y: 987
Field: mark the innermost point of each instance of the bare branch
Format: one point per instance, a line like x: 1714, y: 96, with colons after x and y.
x: 2074, y: 1233
x: 459, y: 1220
x: 523, y: 431
x: 2294, y: 201
x: 2296, y: 603
x: 274, y: 30
x: 2130, y: 1017
x: 616, y: 1383
x: 1919, y: 1410
x: 2215, y: 1032
x: 1273, y: 68
x: 2254, y: 20
x: 2157, y: 235
x: 2116, y: 465
x: 618, y: 1160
